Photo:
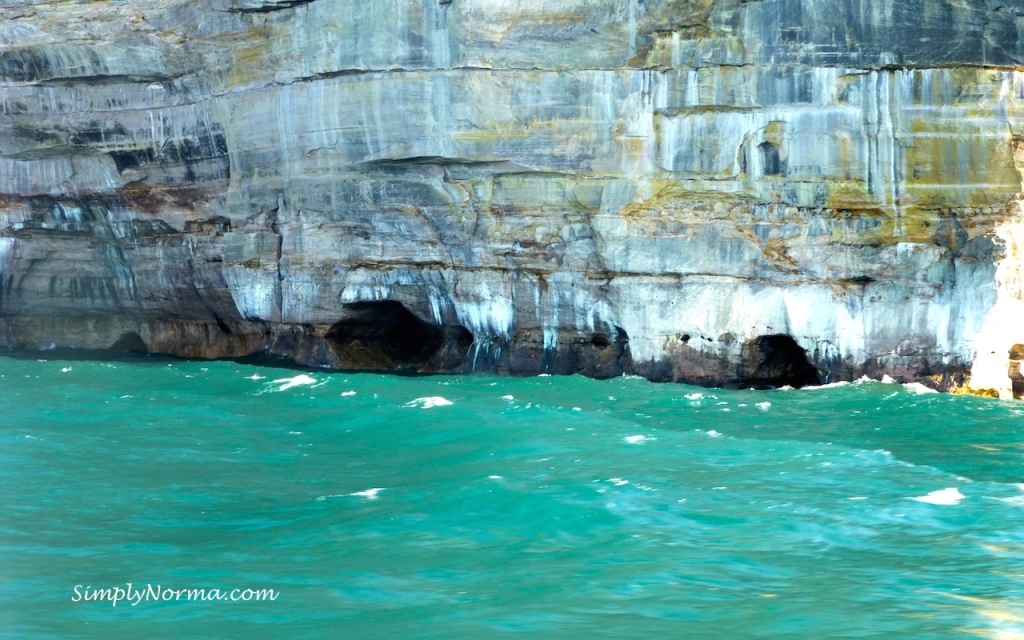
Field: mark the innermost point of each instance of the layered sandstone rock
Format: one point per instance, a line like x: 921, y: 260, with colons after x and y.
x: 699, y: 190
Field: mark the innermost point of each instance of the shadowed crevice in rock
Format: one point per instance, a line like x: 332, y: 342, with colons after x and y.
x: 386, y: 336
x: 777, y: 361
x: 258, y: 6
x: 770, y: 161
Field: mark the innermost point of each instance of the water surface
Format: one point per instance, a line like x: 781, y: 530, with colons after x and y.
x: 483, y: 507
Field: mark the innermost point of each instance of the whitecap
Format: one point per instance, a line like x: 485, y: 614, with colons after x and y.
x: 299, y: 380
x: 918, y: 388
x: 694, y: 396
x: 618, y: 482
x: 369, y: 494
x: 430, y: 402
x: 887, y: 379
x: 346, y: 394
x: 763, y: 406
x: 636, y: 439
x: 831, y: 385
x: 714, y: 434
x: 65, y: 369
x: 508, y: 397
x: 255, y: 376
x: 947, y: 496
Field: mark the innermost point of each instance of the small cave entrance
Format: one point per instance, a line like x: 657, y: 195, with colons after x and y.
x: 604, y: 340
x: 130, y: 343
x: 383, y: 335
x: 776, y: 361
x: 771, y: 164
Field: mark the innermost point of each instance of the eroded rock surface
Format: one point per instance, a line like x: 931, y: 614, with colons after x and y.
x: 661, y: 187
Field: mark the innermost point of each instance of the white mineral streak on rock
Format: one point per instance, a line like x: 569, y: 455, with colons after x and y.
x: 7, y: 254
x: 485, y: 305
x: 251, y: 273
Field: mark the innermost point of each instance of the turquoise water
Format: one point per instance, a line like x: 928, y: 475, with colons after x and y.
x: 545, y: 507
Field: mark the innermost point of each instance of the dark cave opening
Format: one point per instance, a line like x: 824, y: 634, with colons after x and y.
x: 130, y: 343
x: 776, y: 361
x: 384, y: 335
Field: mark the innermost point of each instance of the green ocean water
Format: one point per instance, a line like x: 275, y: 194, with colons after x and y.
x: 485, y: 507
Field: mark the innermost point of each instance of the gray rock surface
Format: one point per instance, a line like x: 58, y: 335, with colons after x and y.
x: 696, y: 190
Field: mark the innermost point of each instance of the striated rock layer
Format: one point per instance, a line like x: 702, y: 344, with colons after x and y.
x: 753, y: 192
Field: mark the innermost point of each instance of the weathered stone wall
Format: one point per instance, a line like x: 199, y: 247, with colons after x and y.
x: 665, y: 187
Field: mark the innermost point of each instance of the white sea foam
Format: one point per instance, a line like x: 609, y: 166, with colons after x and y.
x: 430, y: 403
x: 694, y: 396
x: 831, y: 385
x: 714, y: 434
x: 918, y: 388
x: 299, y: 380
x: 947, y: 496
x: 508, y: 397
x: 255, y: 376
x: 636, y: 439
x: 763, y: 406
x: 618, y: 482
x: 346, y: 394
x: 369, y: 494
x: 65, y: 369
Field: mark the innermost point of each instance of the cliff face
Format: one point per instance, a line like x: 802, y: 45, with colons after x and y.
x: 697, y: 190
